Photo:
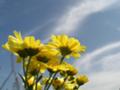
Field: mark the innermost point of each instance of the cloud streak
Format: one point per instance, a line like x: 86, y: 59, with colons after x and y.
x: 74, y: 16
x: 77, y: 13
x: 107, y: 78
x: 38, y: 28
x: 104, y: 71
x: 97, y: 52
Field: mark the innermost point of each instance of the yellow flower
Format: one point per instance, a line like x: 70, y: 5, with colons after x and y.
x: 66, y: 46
x: 69, y: 86
x: 64, y: 67
x: 56, y: 67
x: 70, y: 70
x: 82, y: 79
x: 23, y: 47
x: 58, y: 82
x: 36, y: 67
x: 42, y: 60
x: 31, y: 47
x: 14, y: 43
x: 31, y: 81
x: 39, y: 87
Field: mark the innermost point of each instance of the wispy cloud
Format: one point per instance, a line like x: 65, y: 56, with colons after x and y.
x: 107, y: 78
x: 38, y: 28
x: 74, y: 16
x: 77, y: 13
x: 96, y: 53
x: 103, y: 72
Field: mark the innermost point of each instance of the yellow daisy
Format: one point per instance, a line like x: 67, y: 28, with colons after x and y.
x: 42, y: 60
x: 23, y: 47
x: 66, y: 46
x: 64, y: 67
x: 82, y: 79
x: 69, y: 86
x: 15, y: 43
x: 31, y: 47
x: 58, y: 82
x: 31, y: 82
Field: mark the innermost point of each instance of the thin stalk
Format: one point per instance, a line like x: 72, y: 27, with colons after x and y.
x: 36, y: 82
x: 64, y: 80
x: 77, y: 87
x: 55, y: 74
x: 47, y: 82
x: 26, y: 73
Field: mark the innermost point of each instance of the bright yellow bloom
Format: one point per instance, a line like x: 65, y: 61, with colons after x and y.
x: 67, y: 46
x: 31, y: 47
x: 64, y: 67
x: 15, y: 43
x: 39, y: 87
x: 70, y: 69
x: 23, y: 47
x: 58, y: 82
x: 36, y: 67
x: 42, y: 60
x: 69, y: 86
x: 82, y: 79
x: 31, y: 81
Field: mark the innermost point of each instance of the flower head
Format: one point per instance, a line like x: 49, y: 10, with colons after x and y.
x: 31, y: 82
x: 82, y: 79
x: 66, y: 46
x: 42, y: 60
x: 57, y: 82
x: 15, y: 43
x: 22, y: 47
x: 31, y: 47
x: 70, y: 86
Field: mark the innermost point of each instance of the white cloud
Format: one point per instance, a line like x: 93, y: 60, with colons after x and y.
x: 107, y: 78
x: 77, y: 13
x: 104, y: 71
x: 103, y: 81
x: 96, y: 53
x: 38, y: 28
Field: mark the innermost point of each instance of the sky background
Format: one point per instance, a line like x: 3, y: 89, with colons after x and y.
x: 96, y: 23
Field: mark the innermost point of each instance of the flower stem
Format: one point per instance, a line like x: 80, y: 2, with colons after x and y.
x: 47, y: 82
x: 55, y: 74
x: 64, y: 80
x: 26, y: 72
x: 36, y: 82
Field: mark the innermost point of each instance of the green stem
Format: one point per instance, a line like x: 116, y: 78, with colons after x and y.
x: 55, y: 74
x: 47, y: 82
x: 62, y: 59
x: 78, y: 87
x: 26, y: 72
x: 36, y: 82
x: 64, y: 80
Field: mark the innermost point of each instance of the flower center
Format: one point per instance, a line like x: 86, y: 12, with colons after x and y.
x: 65, y: 51
x: 43, y: 59
x: 27, y: 52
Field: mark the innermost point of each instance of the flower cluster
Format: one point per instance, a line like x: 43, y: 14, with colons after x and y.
x: 44, y: 65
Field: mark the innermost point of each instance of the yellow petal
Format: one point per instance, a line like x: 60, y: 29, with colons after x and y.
x: 18, y: 35
x: 76, y: 55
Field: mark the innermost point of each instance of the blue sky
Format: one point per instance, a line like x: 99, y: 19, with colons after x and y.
x: 95, y: 23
